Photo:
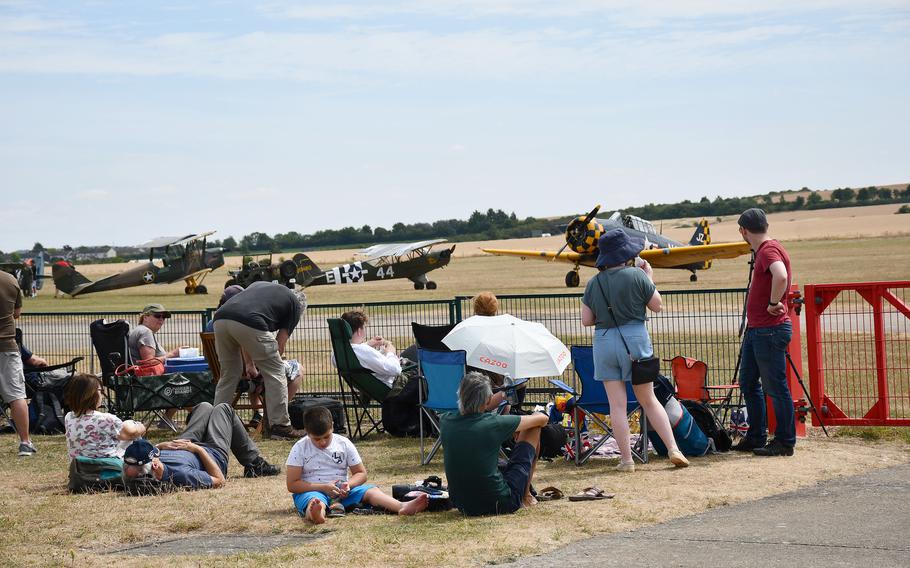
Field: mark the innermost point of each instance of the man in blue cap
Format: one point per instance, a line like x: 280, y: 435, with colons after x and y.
x: 198, y: 459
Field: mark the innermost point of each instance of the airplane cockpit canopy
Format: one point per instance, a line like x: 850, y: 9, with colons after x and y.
x: 639, y: 224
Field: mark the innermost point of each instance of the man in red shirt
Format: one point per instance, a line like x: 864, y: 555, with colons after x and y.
x: 764, y: 348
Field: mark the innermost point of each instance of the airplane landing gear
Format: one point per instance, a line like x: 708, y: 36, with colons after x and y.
x: 572, y: 279
x: 431, y: 285
x: 418, y: 285
x: 201, y: 290
x: 188, y: 290
x: 693, y: 278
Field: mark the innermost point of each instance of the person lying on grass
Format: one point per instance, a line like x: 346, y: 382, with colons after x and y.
x: 317, y: 474
x: 199, y: 458
x: 471, y: 439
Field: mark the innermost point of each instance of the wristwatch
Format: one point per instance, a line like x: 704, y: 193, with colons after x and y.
x: 773, y: 303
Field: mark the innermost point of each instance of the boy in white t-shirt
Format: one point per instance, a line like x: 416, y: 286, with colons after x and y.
x: 317, y: 474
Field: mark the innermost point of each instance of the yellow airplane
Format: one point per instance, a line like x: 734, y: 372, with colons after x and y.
x: 661, y: 252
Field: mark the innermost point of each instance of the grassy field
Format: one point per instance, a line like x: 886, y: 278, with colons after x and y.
x: 42, y: 525
x: 814, y: 261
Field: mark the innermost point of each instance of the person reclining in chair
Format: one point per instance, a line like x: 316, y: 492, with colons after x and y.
x: 199, y: 458
x: 471, y: 439
x: 376, y: 354
x: 401, y: 408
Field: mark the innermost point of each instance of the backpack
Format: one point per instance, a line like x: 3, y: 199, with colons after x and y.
x: 709, y: 425
x: 691, y: 440
x: 553, y: 438
x: 46, y: 407
x: 45, y: 414
x: 94, y: 474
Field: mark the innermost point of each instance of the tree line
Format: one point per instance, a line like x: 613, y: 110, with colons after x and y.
x: 497, y: 224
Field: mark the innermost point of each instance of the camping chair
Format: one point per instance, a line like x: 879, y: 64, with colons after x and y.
x: 211, y: 356
x: 443, y: 371
x: 44, y: 379
x: 127, y: 394
x: 593, y: 399
x: 363, y: 386
x: 691, y: 379
x: 430, y: 336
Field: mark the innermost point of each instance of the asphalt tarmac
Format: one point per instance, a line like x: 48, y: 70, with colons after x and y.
x: 862, y: 520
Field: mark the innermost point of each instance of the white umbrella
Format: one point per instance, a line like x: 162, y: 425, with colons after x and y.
x: 509, y: 346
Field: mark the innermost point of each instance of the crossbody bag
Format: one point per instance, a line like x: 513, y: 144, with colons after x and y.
x: 644, y: 370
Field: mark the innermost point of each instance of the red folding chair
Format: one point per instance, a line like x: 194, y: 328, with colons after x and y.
x: 691, y: 379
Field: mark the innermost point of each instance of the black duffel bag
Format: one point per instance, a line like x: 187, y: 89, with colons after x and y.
x: 301, y: 403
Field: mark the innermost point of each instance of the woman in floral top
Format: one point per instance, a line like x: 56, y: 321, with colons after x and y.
x: 93, y: 434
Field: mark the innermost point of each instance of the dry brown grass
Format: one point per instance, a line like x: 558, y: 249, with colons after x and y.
x: 42, y: 525
x: 814, y: 261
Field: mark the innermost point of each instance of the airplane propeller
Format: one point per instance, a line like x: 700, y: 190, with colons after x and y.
x: 570, y: 230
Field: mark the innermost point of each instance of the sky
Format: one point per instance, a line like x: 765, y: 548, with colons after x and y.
x: 123, y: 121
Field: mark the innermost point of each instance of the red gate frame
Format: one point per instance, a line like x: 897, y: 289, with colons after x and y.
x: 817, y: 298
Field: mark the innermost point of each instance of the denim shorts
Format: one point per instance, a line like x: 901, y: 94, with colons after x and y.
x: 517, y: 473
x: 611, y: 361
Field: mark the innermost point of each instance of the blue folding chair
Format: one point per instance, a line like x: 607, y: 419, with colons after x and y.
x: 593, y: 399
x: 443, y: 371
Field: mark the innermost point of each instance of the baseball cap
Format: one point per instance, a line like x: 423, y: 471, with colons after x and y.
x: 140, y: 452
x: 753, y: 220
x: 156, y: 309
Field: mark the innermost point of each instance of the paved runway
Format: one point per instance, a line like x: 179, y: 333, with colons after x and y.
x: 861, y: 520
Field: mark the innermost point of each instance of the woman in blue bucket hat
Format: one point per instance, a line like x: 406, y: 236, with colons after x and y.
x: 625, y: 283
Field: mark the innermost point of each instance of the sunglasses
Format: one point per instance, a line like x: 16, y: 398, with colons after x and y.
x: 159, y: 316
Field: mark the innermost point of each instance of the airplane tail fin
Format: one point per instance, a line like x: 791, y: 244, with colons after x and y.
x: 66, y: 278
x: 702, y: 234
x: 306, y: 269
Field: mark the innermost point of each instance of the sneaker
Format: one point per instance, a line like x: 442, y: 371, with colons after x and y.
x: 285, y: 433
x: 254, y: 421
x: 774, y: 448
x: 27, y: 449
x: 746, y: 445
x: 625, y: 467
x: 678, y: 459
x: 260, y: 468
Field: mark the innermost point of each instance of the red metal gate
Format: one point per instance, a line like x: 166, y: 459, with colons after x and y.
x: 858, y: 343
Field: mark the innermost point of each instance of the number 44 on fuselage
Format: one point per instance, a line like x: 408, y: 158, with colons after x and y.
x: 379, y: 262
x: 583, y: 232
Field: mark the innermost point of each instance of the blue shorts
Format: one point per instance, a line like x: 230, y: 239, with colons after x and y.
x: 611, y: 361
x: 517, y: 473
x: 301, y: 500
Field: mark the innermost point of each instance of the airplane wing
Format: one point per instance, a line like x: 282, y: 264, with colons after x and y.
x: 565, y: 256
x: 396, y: 249
x: 168, y: 241
x: 679, y: 256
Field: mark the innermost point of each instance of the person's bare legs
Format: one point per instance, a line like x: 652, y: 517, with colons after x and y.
x: 616, y: 394
x: 19, y: 413
x: 531, y: 436
x: 375, y: 496
x: 293, y: 387
x: 315, y: 511
x: 657, y: 418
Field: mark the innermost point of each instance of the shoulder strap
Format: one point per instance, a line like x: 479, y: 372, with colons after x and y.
x: 612, y: 315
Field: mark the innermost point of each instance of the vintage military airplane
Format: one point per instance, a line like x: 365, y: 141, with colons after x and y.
x: 180, y: 258
x: 661, y: 252
x: 380, y: 262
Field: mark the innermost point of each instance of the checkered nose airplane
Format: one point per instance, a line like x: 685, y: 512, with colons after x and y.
x: 171, y: 259
x: 583, y: 232
x: 378, y: 262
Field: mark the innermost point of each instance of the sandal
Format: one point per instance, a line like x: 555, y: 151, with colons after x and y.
x: 549, y: 494
x: 591, y: 494
x: 335, y: 510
